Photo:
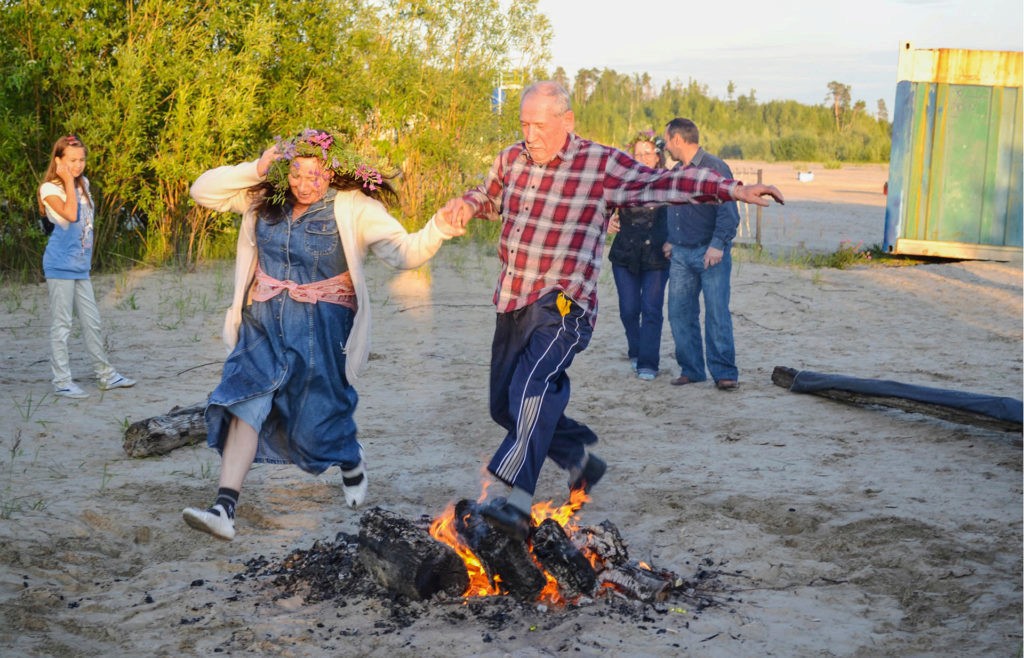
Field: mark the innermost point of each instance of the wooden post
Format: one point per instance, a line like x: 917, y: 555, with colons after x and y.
x: 757, y: 226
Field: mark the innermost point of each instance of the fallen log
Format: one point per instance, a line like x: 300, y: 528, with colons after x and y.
x: 785, y: 377
x: 405, y: 559
x: 560, y: 558
x: 507, y: 562
x: 182, y: 426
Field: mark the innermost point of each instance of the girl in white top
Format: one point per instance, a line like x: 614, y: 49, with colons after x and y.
x: 64, y: 197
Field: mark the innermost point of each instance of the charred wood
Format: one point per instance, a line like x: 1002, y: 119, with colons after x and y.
x: 560, y: 558
x: 636, y: 582
x: 604, y: 542
x: 507, y: 562
x: 404, y: 557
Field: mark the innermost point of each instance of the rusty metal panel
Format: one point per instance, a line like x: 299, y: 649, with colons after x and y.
x: 955, y: 180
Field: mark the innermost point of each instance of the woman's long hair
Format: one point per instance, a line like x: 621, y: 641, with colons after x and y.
x: 59, y: 147
x: 272, y: 213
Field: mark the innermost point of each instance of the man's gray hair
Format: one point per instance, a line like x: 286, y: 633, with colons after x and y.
x: 552, y: 90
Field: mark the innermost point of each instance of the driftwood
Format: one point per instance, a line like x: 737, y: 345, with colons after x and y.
x: 182, y: 426
x: 783, y: 376
x: 406, y: 559
x: 560, y: 558
x: 507, y: 562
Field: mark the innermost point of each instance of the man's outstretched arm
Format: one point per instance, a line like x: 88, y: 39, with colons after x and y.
x: 754, y: 194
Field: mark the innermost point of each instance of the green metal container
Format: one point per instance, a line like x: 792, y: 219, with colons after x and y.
x: 955, y: 177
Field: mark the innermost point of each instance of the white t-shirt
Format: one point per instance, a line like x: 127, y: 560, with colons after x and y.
x: 85, y: 212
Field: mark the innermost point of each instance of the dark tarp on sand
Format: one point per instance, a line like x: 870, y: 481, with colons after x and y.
x: 1002, y: 408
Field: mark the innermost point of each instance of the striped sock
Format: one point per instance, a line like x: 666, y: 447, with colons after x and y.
x: 228, y: 499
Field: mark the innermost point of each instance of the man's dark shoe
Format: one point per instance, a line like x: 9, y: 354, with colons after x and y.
x: 727, y: 384
x: 681, y: 380
x: 591, y: 473
x: 510, y: 520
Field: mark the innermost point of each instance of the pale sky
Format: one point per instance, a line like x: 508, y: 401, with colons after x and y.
x: 783, y: 49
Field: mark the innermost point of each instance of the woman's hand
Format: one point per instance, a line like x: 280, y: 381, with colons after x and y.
x: 267, y: 159
x: 614, y: 225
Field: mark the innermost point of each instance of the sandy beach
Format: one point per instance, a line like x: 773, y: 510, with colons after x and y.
x: 835, y: 530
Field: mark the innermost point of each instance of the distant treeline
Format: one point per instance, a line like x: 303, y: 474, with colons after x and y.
x: 162, y: 90
x: 612, y: 107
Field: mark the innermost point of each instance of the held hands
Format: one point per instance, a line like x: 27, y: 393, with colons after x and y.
x: 752, y: 194
x: 614, y: 225
x: 444, y: 220
x: 456, y: 213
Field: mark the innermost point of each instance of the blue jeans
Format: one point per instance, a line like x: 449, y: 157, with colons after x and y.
x: 641, y: 299
x: 687, y: 280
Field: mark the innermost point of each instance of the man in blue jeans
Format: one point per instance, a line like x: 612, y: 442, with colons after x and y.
x: 699, y: 241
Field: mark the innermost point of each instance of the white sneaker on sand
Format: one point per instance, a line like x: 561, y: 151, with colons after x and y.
x: 70, y: 390
x: 214, y: 521
x: 116, y: 380
x: 354, y: 484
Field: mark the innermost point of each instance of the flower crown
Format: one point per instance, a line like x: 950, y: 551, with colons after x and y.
x: 649, y: 136
x: 329, y: 149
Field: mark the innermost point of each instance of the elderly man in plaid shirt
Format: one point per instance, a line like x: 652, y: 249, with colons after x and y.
x: 554, y: 193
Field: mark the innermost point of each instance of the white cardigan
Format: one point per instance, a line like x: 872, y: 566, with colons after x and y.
x: 363, y: 224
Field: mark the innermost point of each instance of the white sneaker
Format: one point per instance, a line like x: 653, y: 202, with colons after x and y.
x: 354, y: 484
x: 646, y: 375
x: 116, y: 381
x: 214, y: 521
x: 70, y: 390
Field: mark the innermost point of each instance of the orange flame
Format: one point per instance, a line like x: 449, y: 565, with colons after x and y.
x: 443, y: 530
x: 564, y: 514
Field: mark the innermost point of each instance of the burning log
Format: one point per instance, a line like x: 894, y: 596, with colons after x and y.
x: 182, y: 426
x: 636, y: 582
x: 560, y: 558
x: 602, y: 541
x: 406, y: 559
x: 507, y: 562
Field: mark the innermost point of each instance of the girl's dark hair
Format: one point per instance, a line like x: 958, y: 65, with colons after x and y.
x: 272, y: 213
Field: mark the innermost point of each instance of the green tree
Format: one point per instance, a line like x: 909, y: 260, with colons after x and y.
x: 839, y: 98
x: 161, y: 90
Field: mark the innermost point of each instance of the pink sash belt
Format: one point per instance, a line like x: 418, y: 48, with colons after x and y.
x: 336, y: 290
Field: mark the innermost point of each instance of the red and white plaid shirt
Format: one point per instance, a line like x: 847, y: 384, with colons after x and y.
x: 555, y: 216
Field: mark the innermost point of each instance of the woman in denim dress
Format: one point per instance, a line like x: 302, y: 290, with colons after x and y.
x: 299, y: 325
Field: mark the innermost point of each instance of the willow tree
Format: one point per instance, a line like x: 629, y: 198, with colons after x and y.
x: 161, y: 90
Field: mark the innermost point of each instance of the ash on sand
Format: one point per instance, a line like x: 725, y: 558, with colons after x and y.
x: 330, y: 571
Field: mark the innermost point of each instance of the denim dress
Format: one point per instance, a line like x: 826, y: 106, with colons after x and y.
x: 291, y: 355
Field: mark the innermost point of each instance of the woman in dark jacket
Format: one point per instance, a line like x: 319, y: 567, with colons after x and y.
x: 639, y: 267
